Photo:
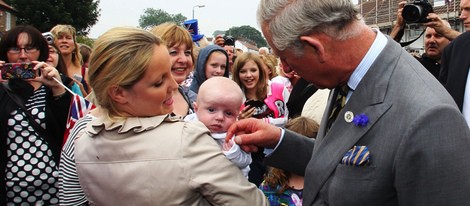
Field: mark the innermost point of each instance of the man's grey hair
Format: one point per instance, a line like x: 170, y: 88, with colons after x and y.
x: 265, y: 49
x: 287, y: 20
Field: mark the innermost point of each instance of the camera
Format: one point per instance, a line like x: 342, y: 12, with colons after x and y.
x: 18, y: 71
x: 253, y: 103
x: 417, y: 11
x: 229, y: 41
x: 49, y: 37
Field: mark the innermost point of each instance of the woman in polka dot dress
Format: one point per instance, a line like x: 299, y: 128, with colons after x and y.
x: 29, y: 156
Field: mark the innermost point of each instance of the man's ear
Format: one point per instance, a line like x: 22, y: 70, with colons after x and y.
x: 118, y: 94
x: 316, y: 45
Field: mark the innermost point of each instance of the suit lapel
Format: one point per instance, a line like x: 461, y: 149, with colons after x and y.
x: 368, y: 99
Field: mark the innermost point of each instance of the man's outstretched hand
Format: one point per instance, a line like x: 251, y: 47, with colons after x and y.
x: 253, y: 133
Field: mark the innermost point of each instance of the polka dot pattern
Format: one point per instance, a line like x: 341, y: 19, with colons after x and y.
x: 31, y: 172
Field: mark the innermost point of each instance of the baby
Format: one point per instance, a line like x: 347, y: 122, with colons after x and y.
x: 217, y: 106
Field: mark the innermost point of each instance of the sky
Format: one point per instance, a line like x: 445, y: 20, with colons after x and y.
x: 216, y: 15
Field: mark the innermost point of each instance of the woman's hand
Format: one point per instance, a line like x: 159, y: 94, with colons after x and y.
x: 80, y: 85
x: 50, y: 77
x: 246, y: 112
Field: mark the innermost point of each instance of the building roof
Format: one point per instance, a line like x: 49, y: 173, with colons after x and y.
x: 248, y: 45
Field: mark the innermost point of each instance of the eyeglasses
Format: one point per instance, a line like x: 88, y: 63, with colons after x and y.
x: 17, y: 50
x: 52, y: 51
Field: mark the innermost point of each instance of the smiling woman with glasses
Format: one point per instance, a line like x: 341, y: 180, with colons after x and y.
x: 33, y: 114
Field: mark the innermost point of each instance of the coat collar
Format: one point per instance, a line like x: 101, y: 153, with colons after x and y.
x: 124, y: 125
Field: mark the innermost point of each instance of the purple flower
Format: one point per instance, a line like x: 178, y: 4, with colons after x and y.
x: 361, y: 120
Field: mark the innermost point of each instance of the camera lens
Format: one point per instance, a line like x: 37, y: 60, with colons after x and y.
x: 50, y: 40
x: 412, y: 13
x: 229, y: 41
x: 49, y: 37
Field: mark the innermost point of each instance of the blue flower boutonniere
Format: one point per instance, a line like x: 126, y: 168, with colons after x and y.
x: 361, y: 120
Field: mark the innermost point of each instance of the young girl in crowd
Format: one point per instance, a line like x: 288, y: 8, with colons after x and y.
x: 284, y: 188
x: 212, y: 61
x: 218, y: 103
x: 264, y: 100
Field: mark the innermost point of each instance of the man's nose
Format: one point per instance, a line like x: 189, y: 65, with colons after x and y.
x: 463, y: 15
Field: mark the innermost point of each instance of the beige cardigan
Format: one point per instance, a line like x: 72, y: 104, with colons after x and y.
x: 158, y: 161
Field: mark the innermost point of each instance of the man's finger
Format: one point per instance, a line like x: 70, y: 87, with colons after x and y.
x: 249, y: 148
x: 235, y: 129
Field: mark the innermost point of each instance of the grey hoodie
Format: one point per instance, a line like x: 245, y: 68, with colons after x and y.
x: 199, y: 71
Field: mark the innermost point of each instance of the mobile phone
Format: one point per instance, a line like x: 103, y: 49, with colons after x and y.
x: 78, y: 77
x: 18, y: 71
x: 253, y: 103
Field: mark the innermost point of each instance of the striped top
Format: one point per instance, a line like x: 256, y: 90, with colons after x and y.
x: 70, y: 191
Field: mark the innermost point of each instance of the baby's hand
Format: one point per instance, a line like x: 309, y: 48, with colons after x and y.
x: 227, y: 145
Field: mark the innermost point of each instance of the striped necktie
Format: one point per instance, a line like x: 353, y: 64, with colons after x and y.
x: 338, y: 104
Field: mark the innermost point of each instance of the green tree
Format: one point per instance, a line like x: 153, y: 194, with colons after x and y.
x: 45, y: 14
x: 85, y: 40
x: 152, y: 17
x: 248, y: 33
x: 217, y: 32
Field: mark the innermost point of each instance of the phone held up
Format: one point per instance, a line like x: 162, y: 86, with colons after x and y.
x: 78, y: 77
x: 253, y: 103
x: 18, y: 71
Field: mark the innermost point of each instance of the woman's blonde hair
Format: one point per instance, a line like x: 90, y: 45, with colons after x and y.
x: 271, y: 62
x: 174, y: 35
x: 262, y: 85
x: 304, y: 126
x: 62, y: 29
x: 120, y: 57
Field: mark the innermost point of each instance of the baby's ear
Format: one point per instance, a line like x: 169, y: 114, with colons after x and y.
x: 195, y: 106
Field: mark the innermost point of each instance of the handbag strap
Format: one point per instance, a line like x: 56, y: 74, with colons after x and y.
x: 20, y: 103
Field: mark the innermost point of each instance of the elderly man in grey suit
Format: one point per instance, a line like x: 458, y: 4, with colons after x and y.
x: 399, y: 139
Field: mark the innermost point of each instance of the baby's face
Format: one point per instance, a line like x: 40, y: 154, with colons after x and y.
x: 218, y: 116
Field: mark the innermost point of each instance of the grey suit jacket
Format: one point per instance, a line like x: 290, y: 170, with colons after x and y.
x: 417, y: 138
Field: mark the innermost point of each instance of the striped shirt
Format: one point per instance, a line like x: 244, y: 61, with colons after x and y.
x: 70, y: 191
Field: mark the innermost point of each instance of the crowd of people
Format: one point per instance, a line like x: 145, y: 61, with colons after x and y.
x: 181, y: 122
